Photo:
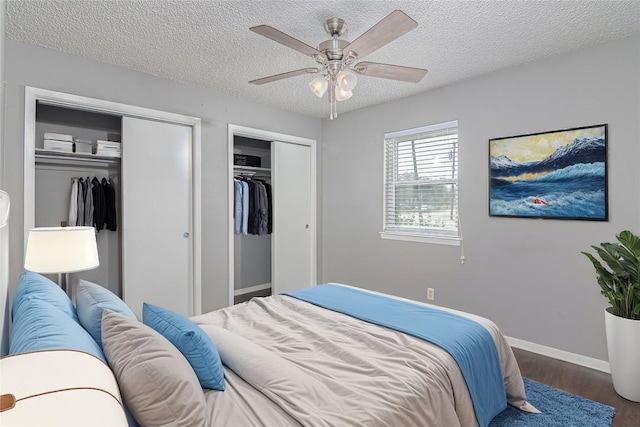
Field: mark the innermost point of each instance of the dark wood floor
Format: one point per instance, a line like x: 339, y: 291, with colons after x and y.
x: 246, y: 297
x: 585, y: 382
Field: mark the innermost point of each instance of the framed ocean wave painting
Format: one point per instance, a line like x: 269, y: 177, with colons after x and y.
x: 554, y: 175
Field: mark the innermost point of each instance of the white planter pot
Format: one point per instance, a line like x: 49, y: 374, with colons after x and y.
x: 623, y: 344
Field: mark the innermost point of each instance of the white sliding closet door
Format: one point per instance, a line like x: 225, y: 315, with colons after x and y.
x: 157, y: 205
x: 292, y: 238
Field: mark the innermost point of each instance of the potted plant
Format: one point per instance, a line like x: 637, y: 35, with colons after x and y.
x: 619, y: 282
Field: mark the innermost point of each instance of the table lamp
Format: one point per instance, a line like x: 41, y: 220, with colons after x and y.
x: 61, y: 250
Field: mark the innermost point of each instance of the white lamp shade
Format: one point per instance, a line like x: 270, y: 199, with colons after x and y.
x: 318, y: 86
x: 347, y: 80
x: 61, y: 250
x: 342, y: 95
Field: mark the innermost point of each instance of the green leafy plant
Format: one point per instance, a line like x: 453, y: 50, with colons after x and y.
x: 620, y: 282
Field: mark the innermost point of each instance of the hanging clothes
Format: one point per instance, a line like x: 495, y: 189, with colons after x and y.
x: 251, y: 223
x: 263, y: 218
x: 252, y: 206
x: 88, y: 202
x: 82, y: 188
x: 269, y: 208
x: 245, y: 208
x: 99, y: 205
x: 93, y: 203
x: 110, y: 198
x: 256, y: 207
x: 73, y: 203
x: 238, y: 201
x: 266, y: 208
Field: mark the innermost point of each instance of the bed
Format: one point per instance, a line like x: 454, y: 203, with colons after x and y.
x: 317, y: 367
x: 285, y: 361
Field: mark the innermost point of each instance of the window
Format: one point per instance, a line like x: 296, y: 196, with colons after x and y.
x: 421, y: 184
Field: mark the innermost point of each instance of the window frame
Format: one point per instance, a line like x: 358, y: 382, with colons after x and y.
x: 425, y: 236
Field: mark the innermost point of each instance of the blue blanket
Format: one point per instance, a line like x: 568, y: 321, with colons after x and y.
x: 468, y: 342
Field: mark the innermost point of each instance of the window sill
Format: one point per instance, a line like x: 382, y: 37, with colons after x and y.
x: 449, y: 241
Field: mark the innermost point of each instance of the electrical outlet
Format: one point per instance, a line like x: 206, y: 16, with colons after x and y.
x: 431, y: 294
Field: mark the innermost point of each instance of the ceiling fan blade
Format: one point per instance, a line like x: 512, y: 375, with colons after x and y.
x: 390, y: 28
x: 285, y: 39
x: 286, y: 75
x: 393, y: 72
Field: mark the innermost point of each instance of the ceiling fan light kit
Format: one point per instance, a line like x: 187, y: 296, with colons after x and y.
x: 319, y: 86
x: 347, y: 80
x: 342, y: 95
x: 336, y: 57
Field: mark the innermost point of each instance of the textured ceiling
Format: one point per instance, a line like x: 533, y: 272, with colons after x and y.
x: 208, y: 43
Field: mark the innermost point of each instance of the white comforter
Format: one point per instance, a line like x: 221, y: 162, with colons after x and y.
x: 290, y: 363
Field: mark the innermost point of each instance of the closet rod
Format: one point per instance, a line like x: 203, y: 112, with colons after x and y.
x: 251, y: 175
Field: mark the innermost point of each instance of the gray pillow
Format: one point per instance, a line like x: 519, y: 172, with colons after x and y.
x: 156, y: 381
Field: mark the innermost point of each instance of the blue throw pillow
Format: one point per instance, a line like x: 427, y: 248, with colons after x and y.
x: 37, y: 286
x: 39, y: 325
x: 191, y: 340
x: 91, y: 299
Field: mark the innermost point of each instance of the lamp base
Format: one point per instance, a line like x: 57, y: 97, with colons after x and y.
x: 63, y: 281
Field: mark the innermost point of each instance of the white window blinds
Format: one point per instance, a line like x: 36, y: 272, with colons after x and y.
x: 421, y: 181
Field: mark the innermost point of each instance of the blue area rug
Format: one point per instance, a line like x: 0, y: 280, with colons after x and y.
x: 559, y: 409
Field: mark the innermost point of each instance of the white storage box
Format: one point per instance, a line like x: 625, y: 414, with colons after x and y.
x: 108, y: 145
x: 58, y: 136
x: 108, y: 148
x: 54, y: 145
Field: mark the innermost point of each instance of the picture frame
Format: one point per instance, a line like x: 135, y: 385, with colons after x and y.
x: 560, y: 174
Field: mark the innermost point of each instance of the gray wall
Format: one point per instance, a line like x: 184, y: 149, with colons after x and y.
x: 29, y: 65
x: 527, y: 275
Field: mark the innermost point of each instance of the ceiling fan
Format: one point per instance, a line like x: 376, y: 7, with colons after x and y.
x: 336, y: 57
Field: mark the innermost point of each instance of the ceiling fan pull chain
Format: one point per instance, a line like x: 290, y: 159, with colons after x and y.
x: 332, y: 97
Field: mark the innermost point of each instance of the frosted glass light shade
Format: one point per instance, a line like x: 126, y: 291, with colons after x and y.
x: 318, y: 86
x: 347, y: 80
x: 61, y: 250
x: 342, y: 95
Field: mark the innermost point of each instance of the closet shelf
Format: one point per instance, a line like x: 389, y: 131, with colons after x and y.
x: 77, y: 157
x: 237, y: 168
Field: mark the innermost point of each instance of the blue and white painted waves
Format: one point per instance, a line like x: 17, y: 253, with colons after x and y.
x: 569, y: 183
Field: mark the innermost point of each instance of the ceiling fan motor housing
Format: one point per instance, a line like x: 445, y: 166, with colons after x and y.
x: 333, y: 48
x: 335, y: 27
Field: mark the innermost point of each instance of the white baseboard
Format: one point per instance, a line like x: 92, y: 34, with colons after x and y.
x: 250, y: 289
x: 577, y: 359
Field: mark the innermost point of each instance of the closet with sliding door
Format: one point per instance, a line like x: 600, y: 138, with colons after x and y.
x: 149, y: 250
x: 272, y: 213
